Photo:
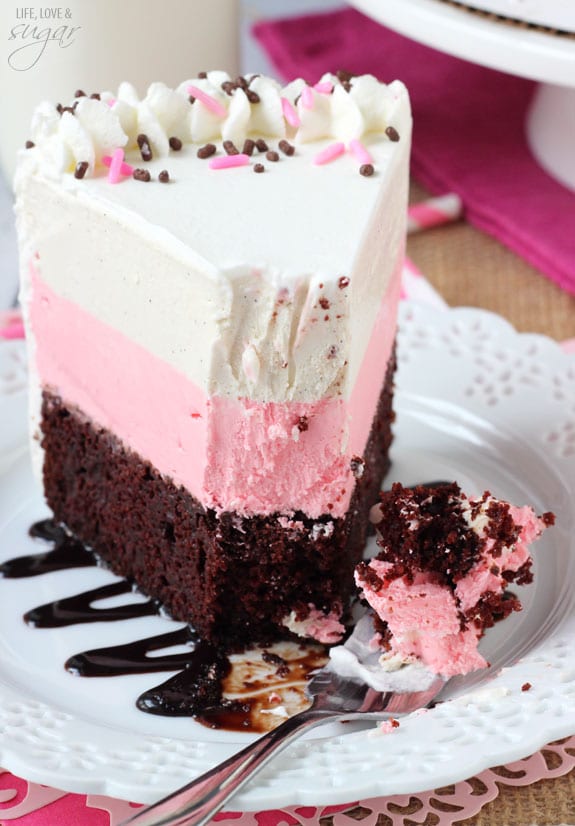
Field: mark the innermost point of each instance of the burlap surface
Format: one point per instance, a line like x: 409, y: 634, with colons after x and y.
x: 473, y: 269
x: 547, y: 803
x: 470, y: 268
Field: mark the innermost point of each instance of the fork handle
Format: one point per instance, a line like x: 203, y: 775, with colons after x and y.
x: 200, y: 800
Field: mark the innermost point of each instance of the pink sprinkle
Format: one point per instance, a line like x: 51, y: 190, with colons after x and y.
x: 324, y: 88
x: 116, y: 163
x: 229, y: 161
x: 290, y: 113
x: 209, y: 102
x: 359, y: 151
x: 330, y: 153
x: 307, y: 100
x: 111, y: 101
x: 125, y: 169
x: 12, y: 331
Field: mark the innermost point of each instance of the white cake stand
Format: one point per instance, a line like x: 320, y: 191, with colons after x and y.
x: 535, y: 53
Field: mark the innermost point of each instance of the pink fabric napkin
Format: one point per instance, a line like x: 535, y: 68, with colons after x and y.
x: 468, y: 135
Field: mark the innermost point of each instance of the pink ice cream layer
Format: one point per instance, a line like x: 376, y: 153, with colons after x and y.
x: 230, y: 454
x: 481, y: 578
x: 424, y: 622
x: 325, y: 628
x: 424, y: 616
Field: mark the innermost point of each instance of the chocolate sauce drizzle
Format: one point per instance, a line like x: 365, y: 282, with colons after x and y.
x: 195, y: 690
x: 132, y: 658
x: 79, y: 609
x: 67, y: 553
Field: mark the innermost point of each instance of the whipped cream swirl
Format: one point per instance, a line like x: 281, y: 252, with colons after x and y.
x: 92, y: 128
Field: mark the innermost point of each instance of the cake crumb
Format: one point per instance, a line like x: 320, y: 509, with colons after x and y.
x: 388, y: 725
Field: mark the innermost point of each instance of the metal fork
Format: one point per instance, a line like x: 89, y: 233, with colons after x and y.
x: 333, y: 698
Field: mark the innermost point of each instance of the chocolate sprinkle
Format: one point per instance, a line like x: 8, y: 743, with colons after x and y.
x: 79, y: 93
x: 262, y: 145
x: 175, y: 144
x: 61, y: 109
x: 249, y: 146
x: 343, y: 282
x: 81, y: 169
x: 526, y: 687
x: 145, y: 148
x: 252, y: 96
x: 343, y: 76
x: 29, y: 144
x: 141, y: 175
x: 206, y: 151
x: 272, y: 156
x: 202, y: 75
x: 366, y: 169
x: 164, y: 176
x: 302, y: 424
x: 230, y: 148
x: 286, y: 147
x: 95, y: 96
x: 259, y: 167
x: 392, y: 134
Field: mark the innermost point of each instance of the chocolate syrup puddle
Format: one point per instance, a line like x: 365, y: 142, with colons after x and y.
x: 132, y: 658
x: 68, y: 553
x: 79, y: 609
x: 197, y: 688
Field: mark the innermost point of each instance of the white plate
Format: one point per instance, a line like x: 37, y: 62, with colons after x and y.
x: 476, y: 402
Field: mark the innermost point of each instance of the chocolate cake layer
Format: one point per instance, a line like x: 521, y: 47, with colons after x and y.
x: 232, y: 577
